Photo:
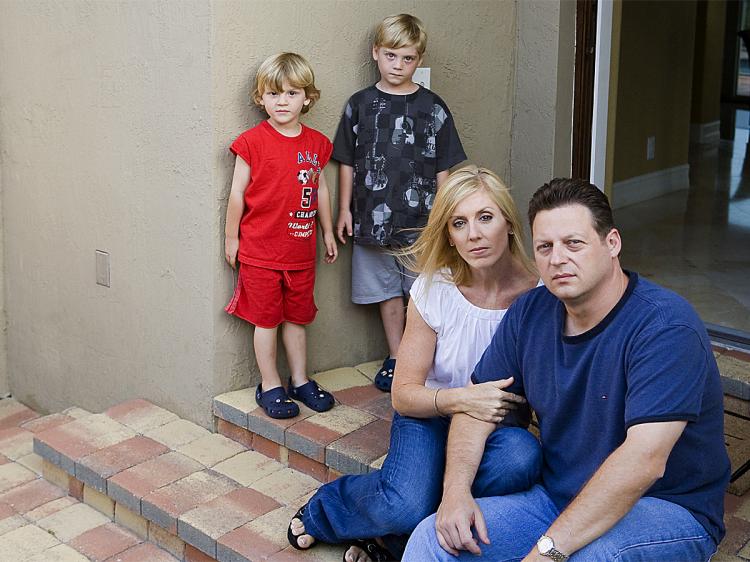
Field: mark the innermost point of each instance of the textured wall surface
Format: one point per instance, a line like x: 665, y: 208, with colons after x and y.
x: 105, y: 116
x: 542, y: 107
x: 4, y: 383
x: 654, y: 86
x: 115, y: 118
x: 470, y: 51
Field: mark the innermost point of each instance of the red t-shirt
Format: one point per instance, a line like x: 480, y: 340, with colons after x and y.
x: 277, y: 230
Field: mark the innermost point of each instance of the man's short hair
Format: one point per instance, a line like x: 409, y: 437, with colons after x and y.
x: 402, y: 30
x: 561, y: 192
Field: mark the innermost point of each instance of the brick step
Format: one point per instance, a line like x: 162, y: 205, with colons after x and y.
x: 198, y: 495
x: 40, y: 522
x: 351, y: 438
x: 734, y: 366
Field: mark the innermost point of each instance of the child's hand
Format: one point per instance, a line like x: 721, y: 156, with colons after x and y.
x: 344, y: 222
x: 332, y: 251
x: 231, y: 247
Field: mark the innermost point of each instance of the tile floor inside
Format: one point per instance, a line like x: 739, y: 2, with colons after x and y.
x: 697, y: 241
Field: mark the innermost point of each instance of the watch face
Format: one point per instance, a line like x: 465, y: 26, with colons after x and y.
x: 545, y: 544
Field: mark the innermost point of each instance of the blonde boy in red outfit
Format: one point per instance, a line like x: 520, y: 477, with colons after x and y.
x: 278, y: 190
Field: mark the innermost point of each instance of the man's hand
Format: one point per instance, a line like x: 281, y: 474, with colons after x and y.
x: 344, y: 224
x: 457, y: 514
x: 534, y: 556
x: 231, y: 247
x: 331, y: 249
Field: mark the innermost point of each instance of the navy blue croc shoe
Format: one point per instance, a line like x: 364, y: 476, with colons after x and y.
x: 384, y: 377
x: 276, y: 403
x: 312, y: 396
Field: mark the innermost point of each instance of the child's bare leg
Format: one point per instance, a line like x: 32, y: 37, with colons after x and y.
x: 295, y: 344
x: 264, y: 342
x: 393, y: 315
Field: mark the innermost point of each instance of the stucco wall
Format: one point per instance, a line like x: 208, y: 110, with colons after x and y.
x: 654, y: 86
x: 120, y: 115
x: 543, y: 98
x: 473, y: 76
x: 4, y: 384
x: 106, y: 120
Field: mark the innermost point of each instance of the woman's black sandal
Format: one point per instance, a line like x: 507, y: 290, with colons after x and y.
x: 291, y: 537
x: 370, y: 546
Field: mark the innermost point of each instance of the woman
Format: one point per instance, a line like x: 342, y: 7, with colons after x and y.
x: 473, y: 266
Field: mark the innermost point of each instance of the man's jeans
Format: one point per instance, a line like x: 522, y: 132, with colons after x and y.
x: 393, y: 500
x: 653, y: 531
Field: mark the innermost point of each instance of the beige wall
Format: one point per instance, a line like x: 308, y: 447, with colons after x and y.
x: 120, y: 115
x: 707, y: 66
x: 4, y: 384
x: 108, y: 105
x: 473, y: 77
x: 654, y: 85
x: 543, y: 102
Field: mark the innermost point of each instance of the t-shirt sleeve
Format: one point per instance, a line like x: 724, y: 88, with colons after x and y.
x: 449, y: 150
x: 241, y: 147
x: 325, y: 152
x: 345, y: 139
x: 666, y: 375
x: 500, y: 359
x: 427, y: 301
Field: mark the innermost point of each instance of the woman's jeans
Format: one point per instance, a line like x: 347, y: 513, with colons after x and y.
x: 393, y: 500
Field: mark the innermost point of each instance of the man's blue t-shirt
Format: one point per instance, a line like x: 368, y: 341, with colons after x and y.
x: 648, y: 360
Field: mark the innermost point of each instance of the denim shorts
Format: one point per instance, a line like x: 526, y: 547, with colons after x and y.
x: 378, y: 276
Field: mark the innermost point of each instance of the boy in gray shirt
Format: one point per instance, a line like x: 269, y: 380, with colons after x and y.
x: 395, y: 144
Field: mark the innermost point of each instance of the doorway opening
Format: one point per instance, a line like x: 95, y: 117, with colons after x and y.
x: 678, y: 165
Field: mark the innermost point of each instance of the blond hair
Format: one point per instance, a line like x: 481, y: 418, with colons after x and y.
x: 432, y: 251
x: 290, y: 67
x: 402, y: 30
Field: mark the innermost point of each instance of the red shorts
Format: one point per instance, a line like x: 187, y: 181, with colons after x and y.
x: 268, y: 297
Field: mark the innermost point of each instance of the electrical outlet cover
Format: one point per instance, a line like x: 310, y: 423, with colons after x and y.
x: 102, y: 268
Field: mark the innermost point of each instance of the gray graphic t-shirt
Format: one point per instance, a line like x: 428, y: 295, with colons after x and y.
x: 396, y: 144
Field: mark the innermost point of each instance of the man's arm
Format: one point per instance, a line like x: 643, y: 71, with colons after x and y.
x: 622, y: 479
x: 458, y: 512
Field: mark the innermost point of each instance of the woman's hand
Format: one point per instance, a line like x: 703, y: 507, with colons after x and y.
x: 488, y: 401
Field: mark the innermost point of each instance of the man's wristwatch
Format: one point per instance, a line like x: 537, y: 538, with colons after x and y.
x: 546, y: 547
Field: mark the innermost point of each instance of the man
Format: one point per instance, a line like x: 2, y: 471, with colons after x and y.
x: 627, y: 393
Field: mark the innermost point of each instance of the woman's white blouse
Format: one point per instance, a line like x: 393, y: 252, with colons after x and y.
x: 463, y: 330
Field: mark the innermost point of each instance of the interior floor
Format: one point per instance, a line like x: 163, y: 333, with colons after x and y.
x: 696, y: 241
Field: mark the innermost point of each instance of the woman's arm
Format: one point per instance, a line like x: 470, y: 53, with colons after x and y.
x: 416, y: 353
x: 410, y: 397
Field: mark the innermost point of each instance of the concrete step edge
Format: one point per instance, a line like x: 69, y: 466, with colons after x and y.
x: 220, y: 510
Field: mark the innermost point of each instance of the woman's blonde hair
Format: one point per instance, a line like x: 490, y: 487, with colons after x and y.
x: 291, y: 67
x: 432, y: 250
x: 402, y: 30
